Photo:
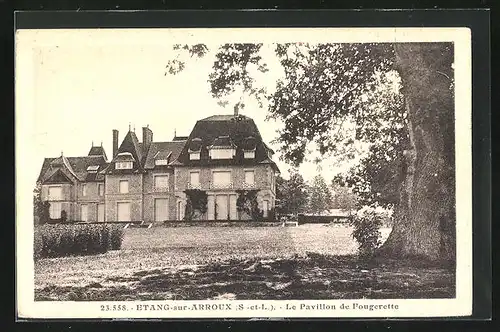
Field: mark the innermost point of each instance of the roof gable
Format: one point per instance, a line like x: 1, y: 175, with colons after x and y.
x: 58, y: 177
x: 75, y: 166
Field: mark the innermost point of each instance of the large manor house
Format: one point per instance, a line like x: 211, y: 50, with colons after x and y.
x: 146, y: 181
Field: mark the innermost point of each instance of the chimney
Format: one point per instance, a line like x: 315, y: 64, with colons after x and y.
x: 236, y: 109
x: 115, y: 142
x: 147, y: 138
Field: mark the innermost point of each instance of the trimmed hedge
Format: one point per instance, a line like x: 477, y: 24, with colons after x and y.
x: 76, y: 239
x: 219, y: 223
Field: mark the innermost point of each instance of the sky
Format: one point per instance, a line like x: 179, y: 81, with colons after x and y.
x: 86, y: 86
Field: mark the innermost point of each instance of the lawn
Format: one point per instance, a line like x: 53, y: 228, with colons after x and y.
x: 309, y: 261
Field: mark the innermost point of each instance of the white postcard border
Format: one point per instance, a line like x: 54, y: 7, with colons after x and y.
x: 27, y: 43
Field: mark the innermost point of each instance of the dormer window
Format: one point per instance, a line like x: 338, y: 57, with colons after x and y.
x: 219, y: 153
x: 195, y: 149
x: 249, y: 146
x: 162, y: 158
x: 249, y: 154
x: 124, y: 165
x: 194, y: 155
x: 124, y: 160
x: 92, y: 169
x: 222, y: 148
x: 161, y: 162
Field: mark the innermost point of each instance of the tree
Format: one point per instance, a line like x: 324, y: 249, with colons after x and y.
x: 320, y: 197
x: 327, y: 96
x: 41, y: 209
x: 343, y: 198
x: 36, y: 203
x: 196, y: 203
x: 291, y: 194
x: 247, y: 203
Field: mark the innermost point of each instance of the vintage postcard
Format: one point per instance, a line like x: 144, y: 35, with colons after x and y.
x: 241, y: 173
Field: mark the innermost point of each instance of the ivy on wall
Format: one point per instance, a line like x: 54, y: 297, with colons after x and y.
x: 247, y: 203
x: 197, y: 203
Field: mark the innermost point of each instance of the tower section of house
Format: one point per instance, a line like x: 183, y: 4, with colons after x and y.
x: 124, y: 180
x: 140, y: 179
x: 75, y: 185
x: 159, y: 202
x: 223, y: 155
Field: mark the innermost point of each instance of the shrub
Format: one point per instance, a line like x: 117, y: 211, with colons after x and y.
x: 116, y: 238
x: 247, y: 203
x: 38, y: 243
x: 366, y: 231
x: 197, y: 203
x: 76, y: 239
x: 42, y: 214
x: 271, y: 215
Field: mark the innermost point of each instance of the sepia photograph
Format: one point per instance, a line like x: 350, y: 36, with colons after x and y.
x: 200, y: 172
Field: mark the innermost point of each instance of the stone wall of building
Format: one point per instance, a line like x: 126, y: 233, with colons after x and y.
x: 152, y: 194
x: 134, y: 196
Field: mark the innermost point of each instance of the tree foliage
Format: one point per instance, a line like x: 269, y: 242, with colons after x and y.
x: 197, y: 203
x: 366, y: 232
x: 392, y: 103
x: 41, y: 209
x: 291, y: 194
x: 343, y: 198
x: 320, y: 197
x: 247, y: 203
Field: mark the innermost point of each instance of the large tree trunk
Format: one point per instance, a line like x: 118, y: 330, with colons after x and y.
x: 424, y: 223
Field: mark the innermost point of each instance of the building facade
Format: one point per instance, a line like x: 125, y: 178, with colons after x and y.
x: 147, y: 181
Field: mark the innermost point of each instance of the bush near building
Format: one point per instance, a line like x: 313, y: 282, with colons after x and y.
x: 76, y: 239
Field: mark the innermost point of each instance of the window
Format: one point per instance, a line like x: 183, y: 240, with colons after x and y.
x: 161, y: 209
x: 222, y: 153
x: 84, y: 214
x: 55, y: 193
x: 100, y: 188
x: 124, y: 187
x: 100, y: 212
x: 123, y: 210
x: 249, y: 177
x: 84, y: 190
x: 160, y: 162
x: 124, y: 165
x: 194, y: 155
x: 194, y: 179
x: 55, y: 210
x: 161, y: 182
x: 249, y: 154
x: 222, y: 178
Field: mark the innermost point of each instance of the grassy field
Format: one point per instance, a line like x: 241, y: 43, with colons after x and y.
x: 309, y: 261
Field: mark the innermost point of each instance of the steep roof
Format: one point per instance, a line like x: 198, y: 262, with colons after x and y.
x: 163, y: 150
x: 223, y: 117
x: 97, y: 151
x: 225, y: 129
x: 76, y: 166
x: 131, y: 144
